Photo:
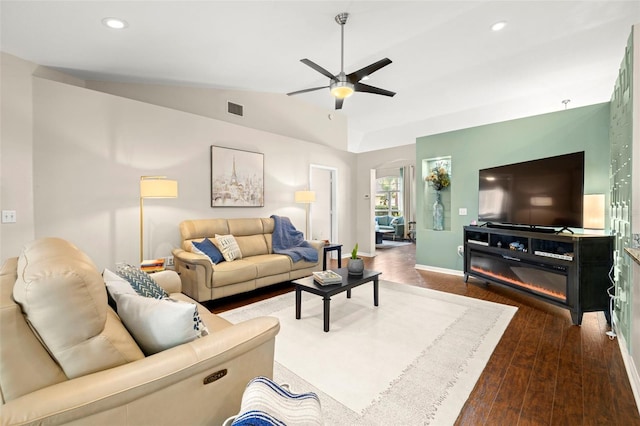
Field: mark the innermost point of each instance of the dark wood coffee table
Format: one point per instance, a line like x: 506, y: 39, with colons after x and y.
x: 308, y: 284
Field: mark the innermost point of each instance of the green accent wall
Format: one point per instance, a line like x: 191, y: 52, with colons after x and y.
x: 578, y: 129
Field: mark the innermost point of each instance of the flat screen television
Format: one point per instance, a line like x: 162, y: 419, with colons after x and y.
x: 546, y: 192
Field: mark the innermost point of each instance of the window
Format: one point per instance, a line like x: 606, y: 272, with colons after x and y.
x: 389, y: 196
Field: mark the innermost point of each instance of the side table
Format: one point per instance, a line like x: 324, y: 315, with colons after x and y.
x: 331, y: 247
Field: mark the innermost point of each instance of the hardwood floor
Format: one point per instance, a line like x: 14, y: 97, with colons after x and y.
x: 544, y: 370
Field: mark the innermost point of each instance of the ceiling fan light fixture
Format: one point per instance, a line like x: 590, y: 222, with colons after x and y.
x: 343, y: 85
x: 342, y: 90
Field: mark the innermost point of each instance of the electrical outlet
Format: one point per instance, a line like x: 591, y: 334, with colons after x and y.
x: 169, y: 261
x: 462, y: 211
x: 8, y: 216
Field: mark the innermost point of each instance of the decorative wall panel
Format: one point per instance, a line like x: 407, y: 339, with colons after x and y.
x: 620, y: 178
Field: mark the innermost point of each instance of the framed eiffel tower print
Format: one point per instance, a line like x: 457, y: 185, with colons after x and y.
x: 237, y: 178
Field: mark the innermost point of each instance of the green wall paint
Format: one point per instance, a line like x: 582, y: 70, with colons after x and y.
x: 580, y: 129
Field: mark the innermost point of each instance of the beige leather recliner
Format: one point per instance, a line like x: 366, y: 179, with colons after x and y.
x: 66, y: 358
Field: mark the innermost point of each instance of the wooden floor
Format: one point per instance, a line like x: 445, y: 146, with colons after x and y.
x: 544, y: 370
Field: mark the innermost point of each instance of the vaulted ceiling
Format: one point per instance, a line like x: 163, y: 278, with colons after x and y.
x: 449, y: 70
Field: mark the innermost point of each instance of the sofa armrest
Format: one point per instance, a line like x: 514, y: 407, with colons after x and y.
x: 178, y: 383
x: 192, y: 258
x: 318, y: 245
x: 168, y: 280
x: 195, y: 273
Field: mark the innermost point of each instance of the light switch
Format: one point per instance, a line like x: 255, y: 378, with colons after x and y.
x: 462, y: 211
x: 8, y: 216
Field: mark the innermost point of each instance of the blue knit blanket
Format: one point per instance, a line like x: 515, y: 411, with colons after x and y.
x: 288, y: 240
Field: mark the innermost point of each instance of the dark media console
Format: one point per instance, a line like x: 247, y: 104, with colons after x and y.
x: 568, y: 270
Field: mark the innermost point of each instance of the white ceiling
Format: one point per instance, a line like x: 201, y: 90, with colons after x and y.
x: 449, y: 70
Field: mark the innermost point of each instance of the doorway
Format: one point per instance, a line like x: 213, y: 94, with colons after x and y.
x: 393, y: 187
x: 323, y: 223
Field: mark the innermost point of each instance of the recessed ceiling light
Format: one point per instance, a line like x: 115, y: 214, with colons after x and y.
x: 115, y: 23
x: 498, y: 26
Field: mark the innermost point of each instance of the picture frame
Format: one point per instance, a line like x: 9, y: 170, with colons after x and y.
x: 237, y: 178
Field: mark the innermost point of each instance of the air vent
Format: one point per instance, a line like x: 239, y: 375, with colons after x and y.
x: 234, y: 109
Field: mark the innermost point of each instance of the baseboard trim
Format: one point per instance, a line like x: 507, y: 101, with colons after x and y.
x: 629, y: 365
x: 440, y: 270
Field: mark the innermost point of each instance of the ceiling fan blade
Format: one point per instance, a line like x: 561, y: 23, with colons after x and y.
x: 360, y: 87
x: 297, y: 92
x: 319, y: 69
x: 339, y: 103
x: 356, y: 76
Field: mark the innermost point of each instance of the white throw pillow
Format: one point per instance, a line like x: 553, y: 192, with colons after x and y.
x: 228, y: 246
x: 159, y: 324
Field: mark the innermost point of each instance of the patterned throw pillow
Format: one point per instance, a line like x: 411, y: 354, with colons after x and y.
x: 228, y: 247
x: 209, y: 249
x: 141, y: 282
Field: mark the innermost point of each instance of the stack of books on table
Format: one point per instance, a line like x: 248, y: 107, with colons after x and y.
x: 327, y: 277
x: 153, y: 265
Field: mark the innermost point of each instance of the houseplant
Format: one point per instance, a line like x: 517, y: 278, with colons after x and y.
x: 355, y: 265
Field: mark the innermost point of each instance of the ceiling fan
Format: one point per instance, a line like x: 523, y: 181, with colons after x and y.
x: 343, y: 85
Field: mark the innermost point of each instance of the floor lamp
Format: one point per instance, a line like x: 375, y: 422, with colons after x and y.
x: 154, y: 187
x: 306, y: 197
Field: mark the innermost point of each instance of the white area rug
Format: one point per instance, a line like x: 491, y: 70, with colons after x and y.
x: 412, y: 360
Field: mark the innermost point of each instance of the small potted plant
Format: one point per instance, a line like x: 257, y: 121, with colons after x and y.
x: 355, y: 266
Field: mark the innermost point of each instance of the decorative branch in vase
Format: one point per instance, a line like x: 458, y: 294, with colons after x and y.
x: 439, y: 180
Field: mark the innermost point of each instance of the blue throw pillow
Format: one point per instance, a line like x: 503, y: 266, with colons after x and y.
x: 208, y: 248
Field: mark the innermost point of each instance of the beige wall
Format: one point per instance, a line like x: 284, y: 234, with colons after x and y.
x: 272, y: 112
x: 72, y: 158
x: 16, y: 147
x: 16, y: 150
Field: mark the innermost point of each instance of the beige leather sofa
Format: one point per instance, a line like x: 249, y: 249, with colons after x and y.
x: 91, y: 371
x: 259, y: 266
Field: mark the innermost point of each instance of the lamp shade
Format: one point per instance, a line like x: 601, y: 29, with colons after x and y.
x: 158, y: 187
x: 305, y: 197
x: 593, y: 211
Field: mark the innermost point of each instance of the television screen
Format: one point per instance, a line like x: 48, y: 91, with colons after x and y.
x: 543, y: 192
